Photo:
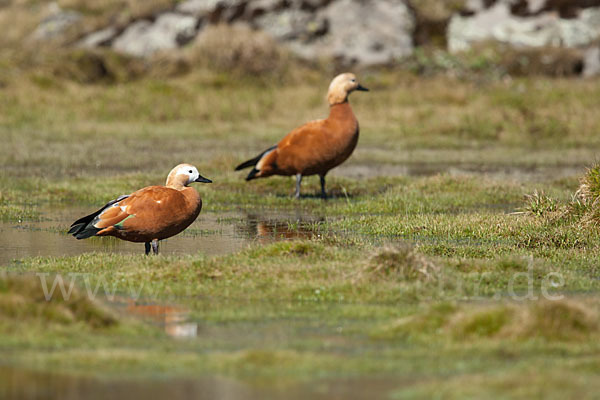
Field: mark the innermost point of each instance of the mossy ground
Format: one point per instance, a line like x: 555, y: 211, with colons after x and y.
x: 352, y: 300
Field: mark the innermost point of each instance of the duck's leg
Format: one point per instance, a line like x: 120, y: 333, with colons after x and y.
x: 323, y: 192
x: 298, y: 182
x: 147, y: 245
x: 155, y: 246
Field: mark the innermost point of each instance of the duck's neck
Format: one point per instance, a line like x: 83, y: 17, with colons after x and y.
x: 176, y: 186
x: 341, y: 111
x: 176, y: 182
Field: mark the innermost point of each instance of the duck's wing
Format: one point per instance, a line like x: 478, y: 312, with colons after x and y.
x: 87, y: 226
x: 304, y: 136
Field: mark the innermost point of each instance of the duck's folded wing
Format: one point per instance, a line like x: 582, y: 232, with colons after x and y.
x: 91, y: 224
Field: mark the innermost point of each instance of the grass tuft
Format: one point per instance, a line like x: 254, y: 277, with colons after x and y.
x: 403, y: 262
x: 549, y: 320
x: 540, y: 205
x: 23, y: 298
x: 485, y: 322
x: 585, y: 203
x: 565, y: 320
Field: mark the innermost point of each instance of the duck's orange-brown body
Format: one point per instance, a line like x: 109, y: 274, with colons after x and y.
x: 314, y: 148
x: 151, y: 213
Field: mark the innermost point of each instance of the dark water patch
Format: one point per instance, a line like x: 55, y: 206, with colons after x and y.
x: 20, y: 384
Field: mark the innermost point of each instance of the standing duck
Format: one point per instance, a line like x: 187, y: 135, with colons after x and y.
x: 315, y: 147
x: 150, y: 214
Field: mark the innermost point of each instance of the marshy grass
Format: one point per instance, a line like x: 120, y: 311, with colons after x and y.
x: 23, y: 300
x: 565, y: 320
x: 401, y: 261
x: 585, y: 203
x: 541, y: 205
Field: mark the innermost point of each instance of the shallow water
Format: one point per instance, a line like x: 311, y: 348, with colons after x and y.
x: 18, y: 384
x: 528, y: 173
x: 210, y: 234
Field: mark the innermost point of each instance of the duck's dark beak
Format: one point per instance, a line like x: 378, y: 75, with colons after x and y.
x: 202, y: 179
x: 361, y: 88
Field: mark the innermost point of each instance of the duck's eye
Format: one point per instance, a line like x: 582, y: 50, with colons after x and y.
x: 190, y: 171
x: 353, y: 80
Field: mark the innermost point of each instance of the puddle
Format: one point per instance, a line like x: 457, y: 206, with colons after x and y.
x: 16, y: 384
x: 211, y: 234
x: 269, y: 230
x: 174, y: 320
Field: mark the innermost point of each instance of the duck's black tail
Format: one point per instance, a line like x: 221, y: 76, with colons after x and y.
x: 255, y: 160
x: 84, y: 227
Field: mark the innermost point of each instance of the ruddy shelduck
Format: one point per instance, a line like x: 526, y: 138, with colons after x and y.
x: 316, y: 147
x: 150, y: 214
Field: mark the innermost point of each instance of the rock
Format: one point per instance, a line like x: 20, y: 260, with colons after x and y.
x: 367, y: 33
x: 215, y: 10
x: 583, y: 30
x: 591, y: 62
x: 198, y: 8
x: 144, y: 38
x: 310, y: 5
x: 257, y: 8
x: 292, y: 24
x: 498, y: 23
x: 57, y: 23
x: 102, y: 37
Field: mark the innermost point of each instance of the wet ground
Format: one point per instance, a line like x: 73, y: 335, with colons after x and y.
x: 211, y: 234
x: 223, y: 233
x: 30, y: 385
x: 522, y: 173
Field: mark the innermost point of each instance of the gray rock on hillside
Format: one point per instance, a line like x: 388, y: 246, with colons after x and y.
x: 200, y: 8
x: 56, y: 23
x: 539, y: 28
x: 102, y: 37
x: 352, y: 31
x: 591, y: 62
x: 143, y: 38
x: 368, y: 32
x: 292, y: 24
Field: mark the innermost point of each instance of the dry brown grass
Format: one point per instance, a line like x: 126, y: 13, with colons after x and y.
x: 585, y: 205
x: 132, y: 8
x: 436, y: 9
x: 18, y: 21
x: 549, y: 61
x: 238, y: 49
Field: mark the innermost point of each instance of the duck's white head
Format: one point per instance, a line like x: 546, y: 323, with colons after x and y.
x: 184, y: 174
x: 341, y: 86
